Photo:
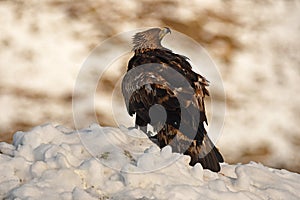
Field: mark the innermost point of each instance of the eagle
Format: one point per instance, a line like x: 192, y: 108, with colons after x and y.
x: 162, y: 90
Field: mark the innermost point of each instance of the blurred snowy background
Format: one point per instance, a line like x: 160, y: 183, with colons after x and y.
x: 255, y: 44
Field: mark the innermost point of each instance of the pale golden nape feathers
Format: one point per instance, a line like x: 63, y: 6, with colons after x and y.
x: 149, y: 39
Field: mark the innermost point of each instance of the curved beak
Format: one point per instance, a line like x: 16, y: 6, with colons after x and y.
x: 164, y: 31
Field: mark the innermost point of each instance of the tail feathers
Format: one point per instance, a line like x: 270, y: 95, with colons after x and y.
x: 201, y: 151
x: 211, y: 160
x: 207, y: 154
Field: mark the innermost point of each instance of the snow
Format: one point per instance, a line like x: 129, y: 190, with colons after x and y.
x: 54, y: 162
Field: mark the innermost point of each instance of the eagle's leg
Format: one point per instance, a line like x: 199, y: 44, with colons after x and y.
x: 140, y: 123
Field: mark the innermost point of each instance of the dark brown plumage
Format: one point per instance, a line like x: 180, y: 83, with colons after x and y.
x: 157, y: 76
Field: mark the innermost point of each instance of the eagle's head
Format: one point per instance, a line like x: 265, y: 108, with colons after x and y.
x: 149, y: 39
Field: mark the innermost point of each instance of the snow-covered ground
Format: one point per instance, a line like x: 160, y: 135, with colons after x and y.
x: 51, y: 162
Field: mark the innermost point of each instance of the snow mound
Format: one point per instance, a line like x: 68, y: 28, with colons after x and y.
x: 118, y: 163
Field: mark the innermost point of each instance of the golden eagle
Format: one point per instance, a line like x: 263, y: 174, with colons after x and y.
x: 161, y: 88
